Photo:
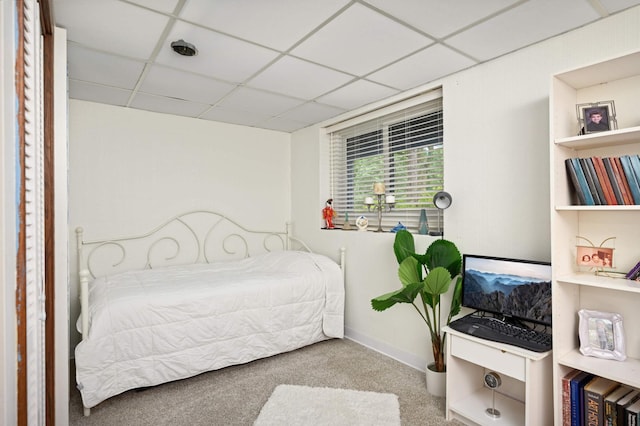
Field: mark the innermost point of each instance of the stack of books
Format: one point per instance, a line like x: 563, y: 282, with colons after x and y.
x: 605, y: 180
x: 592, y: 400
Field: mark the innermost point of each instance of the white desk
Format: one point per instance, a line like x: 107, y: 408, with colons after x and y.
x: 525, y: 396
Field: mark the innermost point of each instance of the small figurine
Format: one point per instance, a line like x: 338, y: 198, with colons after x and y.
x: 398, y: 227
x: 328, y: 213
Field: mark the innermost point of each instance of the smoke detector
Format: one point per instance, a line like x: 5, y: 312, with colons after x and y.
x: 183, y: 48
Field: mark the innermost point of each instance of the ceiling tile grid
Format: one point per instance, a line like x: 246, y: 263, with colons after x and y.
x: 287, y: 64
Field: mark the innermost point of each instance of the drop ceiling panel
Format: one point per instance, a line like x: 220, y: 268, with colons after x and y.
x: 311, y: 113
x: 182, y: 85
x: 219, y: 56
x: 440, y: 18
x: 358, y: 93
x: 429, y: 64
x: 523, y: 26
x: 275, y: 23
x: 102, y: 68
x: 97, y: 93
x: 234, y: 116
x: 360, y: 41
x: 298, y: 78
x: 258, y: 101
x: 613, y: 6
x: 111, y: 26
x: 166, y: 6
x: 168, y: 105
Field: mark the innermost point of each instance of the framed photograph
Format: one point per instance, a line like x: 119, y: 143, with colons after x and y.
x: 594, y: 257
x: 597, y: 117
x: 601, y: 335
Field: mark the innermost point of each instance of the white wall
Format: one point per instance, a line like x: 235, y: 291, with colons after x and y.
x: 496, y: 119
x: 129, y: 170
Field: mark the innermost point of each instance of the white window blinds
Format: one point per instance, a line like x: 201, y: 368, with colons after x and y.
x: 402, y: 148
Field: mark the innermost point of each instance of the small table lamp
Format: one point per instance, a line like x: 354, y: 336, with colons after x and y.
x: 442, y: 200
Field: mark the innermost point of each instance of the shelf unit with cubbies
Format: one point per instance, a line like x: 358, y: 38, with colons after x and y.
x: 617, y: 79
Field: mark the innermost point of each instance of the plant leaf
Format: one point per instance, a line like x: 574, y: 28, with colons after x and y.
x: 437, y: 281
x: 406, y: 294
x: 456, y: 301
x: 403, y: 246
x: 444, y: 253
x: 409, y: 271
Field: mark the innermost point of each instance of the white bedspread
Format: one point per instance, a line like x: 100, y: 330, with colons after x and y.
x: 154, y: 326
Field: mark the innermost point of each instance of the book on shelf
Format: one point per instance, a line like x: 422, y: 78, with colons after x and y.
x: 623, y: 403
x: 579, y: 190
x: 635, y: 165
x: 633, y: 273
x: 593, y: 181
x: 583, y: 186
x: 594, y: 394
x: 577, y: 397
x: 610, y: 401
x: 622, y: 181
x: 566, y: 397
x: 634, y: 183
x: 632, y: 412
x: 605, y: 181
x: 608, y: 167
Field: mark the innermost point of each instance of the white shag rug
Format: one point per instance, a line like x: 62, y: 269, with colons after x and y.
x: 303, y: 405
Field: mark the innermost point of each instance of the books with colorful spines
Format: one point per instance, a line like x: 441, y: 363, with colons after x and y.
x: 623, y: 403
x: 594, y: 393
x: 634, y: 183
x: 612, y: 178
x: 632, y: 411
x: 622, y: 181
x: 573, y: 176
x: 592, y: 180
x: 577, y: 400
x: 566, y: 397
x: 605, y: 182
x: 633, y: 272
x: 610, y: 401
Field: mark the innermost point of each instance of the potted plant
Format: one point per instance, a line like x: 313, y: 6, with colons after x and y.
x: 428, y: 275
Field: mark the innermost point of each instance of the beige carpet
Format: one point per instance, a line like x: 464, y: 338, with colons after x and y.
x: 304, y: 405
x: 235, y: 395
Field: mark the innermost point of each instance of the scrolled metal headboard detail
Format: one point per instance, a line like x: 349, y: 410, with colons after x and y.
x: 199, y: 236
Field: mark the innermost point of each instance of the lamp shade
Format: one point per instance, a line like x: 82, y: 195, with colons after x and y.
x: 442, y: 200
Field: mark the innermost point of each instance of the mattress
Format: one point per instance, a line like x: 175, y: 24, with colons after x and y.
x: 159, y: 325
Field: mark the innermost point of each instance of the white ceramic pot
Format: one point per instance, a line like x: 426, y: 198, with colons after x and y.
x: 436, y: 381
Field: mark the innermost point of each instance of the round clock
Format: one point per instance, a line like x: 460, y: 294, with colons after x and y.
x: 492, y: 380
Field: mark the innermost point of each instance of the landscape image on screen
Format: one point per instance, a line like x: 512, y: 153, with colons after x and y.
x: 514, y: 288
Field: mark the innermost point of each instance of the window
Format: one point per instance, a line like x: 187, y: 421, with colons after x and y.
x: 403, y: 149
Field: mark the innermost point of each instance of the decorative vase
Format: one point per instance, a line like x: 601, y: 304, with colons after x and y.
x: 436, y: 381
x: 422, y: 226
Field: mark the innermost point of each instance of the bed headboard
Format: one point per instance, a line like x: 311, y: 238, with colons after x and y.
x: 199, y: 236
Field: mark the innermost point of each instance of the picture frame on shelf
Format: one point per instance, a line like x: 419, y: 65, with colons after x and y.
x: 596, y: 117
x: 595, y: 257
x: 601, y: 335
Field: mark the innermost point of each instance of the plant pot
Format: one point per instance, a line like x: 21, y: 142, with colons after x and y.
x: 436, y: 381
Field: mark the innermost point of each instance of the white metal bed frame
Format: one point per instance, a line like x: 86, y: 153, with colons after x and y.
x: 238, y: 237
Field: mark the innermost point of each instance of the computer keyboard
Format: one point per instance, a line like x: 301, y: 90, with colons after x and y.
x: 497, y: 330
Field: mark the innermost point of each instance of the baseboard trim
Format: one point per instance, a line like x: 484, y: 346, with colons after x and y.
x: 385, y: 349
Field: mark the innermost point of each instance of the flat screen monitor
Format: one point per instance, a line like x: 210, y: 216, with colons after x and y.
x: 513, y: 289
